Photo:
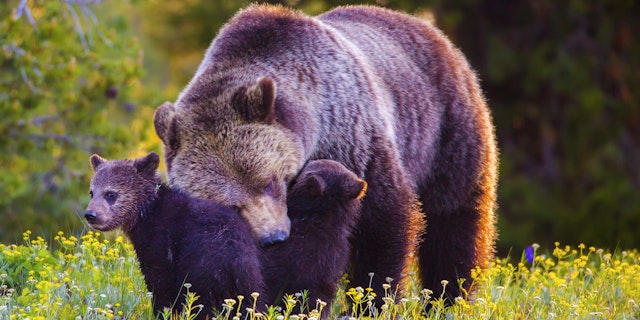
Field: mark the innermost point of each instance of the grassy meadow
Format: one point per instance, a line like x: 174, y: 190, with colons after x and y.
x: 97, y: 277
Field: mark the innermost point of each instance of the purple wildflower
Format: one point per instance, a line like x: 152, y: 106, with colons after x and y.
x: 529, y: 253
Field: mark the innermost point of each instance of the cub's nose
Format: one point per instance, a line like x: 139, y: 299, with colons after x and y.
x: 90, y: 215
x: 277, y: 236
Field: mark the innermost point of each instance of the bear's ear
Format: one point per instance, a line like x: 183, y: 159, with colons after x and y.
x: 355, y: 188
x: 258, y: 103
x: 165, y: 124
x: 313, y: 186
x: 148, y: 165
x: 96, y: 161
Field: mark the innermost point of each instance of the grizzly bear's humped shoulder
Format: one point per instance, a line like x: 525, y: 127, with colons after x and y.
x: 260, y: 41
x: 259, y: 32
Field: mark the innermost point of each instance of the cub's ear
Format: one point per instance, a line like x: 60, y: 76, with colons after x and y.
x: 313, y: 186
x: 96, y: 161
x: 165, y: 124
x: 258, y: 102
x: 354, y: 188
x: 147, y: 165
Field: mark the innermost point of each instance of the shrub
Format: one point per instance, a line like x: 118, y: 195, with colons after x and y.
x: 69, y: 85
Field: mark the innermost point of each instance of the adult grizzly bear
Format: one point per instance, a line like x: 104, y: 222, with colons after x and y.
x: 178, y: 238
x: 383, y: 93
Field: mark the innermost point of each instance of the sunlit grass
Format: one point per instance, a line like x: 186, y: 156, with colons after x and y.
x: 96, y: 278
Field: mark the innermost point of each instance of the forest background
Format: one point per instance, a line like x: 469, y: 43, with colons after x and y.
x: 562, y: 79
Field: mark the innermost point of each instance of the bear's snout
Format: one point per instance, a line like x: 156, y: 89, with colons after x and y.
x: 277, y: 236
x: 90, y: 215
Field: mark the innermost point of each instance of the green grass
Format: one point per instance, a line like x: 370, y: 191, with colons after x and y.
x: 96, y: 278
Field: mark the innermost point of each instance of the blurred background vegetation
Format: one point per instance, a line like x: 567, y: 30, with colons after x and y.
x: 562, y: 79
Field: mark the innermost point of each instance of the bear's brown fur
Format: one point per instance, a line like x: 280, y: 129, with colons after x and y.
x: 383, y: 93
x: 179, y: 239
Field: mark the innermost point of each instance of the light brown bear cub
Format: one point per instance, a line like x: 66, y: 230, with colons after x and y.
x: 381, y: 92
x: 179, y: 239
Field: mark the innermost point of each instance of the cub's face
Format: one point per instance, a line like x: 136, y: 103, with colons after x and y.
x: 120, y: 191
x: 230, y: 150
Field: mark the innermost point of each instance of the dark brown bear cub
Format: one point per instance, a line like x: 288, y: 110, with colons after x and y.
x: 177, y: 238
x: 323, y: 211
x: 180, y: 239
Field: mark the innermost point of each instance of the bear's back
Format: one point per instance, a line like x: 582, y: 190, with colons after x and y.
x: 205, y: 224
x: 413, y: 58
x: 429, y: 81
x: 186, y: 239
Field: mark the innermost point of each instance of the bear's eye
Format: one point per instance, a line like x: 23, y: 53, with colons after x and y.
x: 110, y: 196
x: 91, y: 194
x: 270, y: 189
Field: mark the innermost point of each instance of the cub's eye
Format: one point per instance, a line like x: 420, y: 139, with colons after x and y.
x: 91, y: 194
x: 110, y: 196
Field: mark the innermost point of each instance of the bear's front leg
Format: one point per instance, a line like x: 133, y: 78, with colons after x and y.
x: 387, y: 232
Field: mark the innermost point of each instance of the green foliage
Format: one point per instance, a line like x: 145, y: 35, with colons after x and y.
x: 69, y: 83
x: 181, y: 31
x: 95, y: 278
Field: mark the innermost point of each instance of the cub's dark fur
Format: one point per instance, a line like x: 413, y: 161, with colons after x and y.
x: 180, y: 239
